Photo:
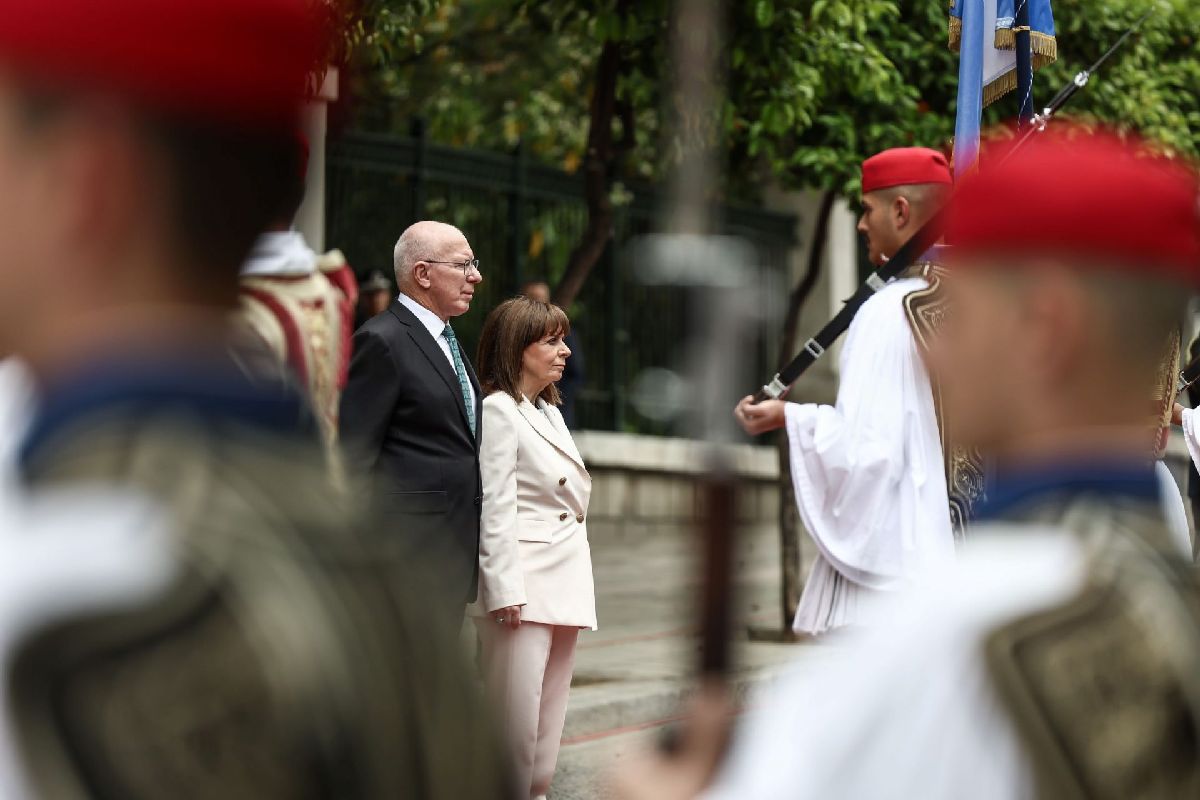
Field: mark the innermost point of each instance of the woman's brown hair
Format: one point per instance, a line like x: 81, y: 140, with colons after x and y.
x: 508, y: 330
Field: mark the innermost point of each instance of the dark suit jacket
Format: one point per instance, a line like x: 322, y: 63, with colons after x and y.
x: 403, y: 426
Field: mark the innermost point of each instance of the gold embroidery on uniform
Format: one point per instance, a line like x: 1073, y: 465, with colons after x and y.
x: 927, y: 310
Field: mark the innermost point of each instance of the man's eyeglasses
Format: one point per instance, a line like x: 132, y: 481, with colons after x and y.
x: 467, y: 267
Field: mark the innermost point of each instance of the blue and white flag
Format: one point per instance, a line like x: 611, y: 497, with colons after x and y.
x: 982, y: 31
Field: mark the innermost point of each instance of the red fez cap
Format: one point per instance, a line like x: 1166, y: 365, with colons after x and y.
x: 1086, y: 194
x: 229, y: 61
x: 904, y: 166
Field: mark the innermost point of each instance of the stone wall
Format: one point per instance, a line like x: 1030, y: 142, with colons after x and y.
x: 650, y: 482
x: 643, y: 479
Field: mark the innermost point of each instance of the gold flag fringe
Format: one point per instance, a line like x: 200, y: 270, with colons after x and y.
x: 1045, y: 52
x: 998, y: 88
x: 1044, y: 47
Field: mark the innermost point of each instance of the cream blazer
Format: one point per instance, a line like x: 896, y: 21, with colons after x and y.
x: 533, y: 545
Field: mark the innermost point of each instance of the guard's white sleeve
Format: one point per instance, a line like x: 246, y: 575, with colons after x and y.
x: 906, y: 709
x: 1190, y: 436
x: 16, y: 408
x: 66, y: 554
x: 1173, y: 509
x: 868, y: 474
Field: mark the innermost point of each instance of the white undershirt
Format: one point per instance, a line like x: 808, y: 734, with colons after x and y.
x: 436, y: 327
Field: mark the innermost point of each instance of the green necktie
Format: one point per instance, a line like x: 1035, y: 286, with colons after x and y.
x: 464, y: 383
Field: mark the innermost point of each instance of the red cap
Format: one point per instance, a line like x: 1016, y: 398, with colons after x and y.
x: 905, y: 166
x: 237, y: 61
x: 1080, y: 193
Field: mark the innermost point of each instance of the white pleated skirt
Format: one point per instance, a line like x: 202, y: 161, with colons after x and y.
x: 829, y: 601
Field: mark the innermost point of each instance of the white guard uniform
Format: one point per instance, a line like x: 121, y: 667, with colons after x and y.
x: 908, y: 711
x: 1058, y: 657
x: 79, y: 553
x: 16, y: 408
x: 868, y: 473
x: 1173, y: 509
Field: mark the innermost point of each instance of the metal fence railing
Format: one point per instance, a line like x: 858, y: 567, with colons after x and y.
x: 523, y: 219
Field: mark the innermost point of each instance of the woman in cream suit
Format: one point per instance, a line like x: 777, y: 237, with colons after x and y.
x: 535, y: 565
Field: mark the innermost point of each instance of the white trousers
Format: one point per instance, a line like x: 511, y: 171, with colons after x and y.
x: 527, y: 673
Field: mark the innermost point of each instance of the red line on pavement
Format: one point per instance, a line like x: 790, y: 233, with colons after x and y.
x: 592, y: 737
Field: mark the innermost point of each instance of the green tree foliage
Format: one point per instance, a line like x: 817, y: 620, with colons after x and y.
x: 814, y: 85
x: 1153, y: 84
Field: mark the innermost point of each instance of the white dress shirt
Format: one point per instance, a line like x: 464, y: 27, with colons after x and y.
x: 437, y: 329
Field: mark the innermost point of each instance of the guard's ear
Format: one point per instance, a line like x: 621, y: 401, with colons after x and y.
x: 1056, y: 321
x: 901, y: 211
x: 420, y: 272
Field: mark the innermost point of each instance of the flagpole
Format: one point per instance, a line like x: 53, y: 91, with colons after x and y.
x: 1023, y: 43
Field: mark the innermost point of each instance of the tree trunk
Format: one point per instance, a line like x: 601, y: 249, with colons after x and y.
x: 599, y: 166
x: 789, y: 516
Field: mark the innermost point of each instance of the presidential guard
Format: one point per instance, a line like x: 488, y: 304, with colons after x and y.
x: 1060, y: 655
x: 231, y: 631
x: 301, y: 305
x: 869, y: 473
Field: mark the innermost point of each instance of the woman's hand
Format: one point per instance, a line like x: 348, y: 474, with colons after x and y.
x: 510, y: 616
x: 1177, y: 415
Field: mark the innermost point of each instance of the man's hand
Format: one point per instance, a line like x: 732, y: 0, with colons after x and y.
x: 1177, y: 415
x: 757, y: 418
x: 689, y: 769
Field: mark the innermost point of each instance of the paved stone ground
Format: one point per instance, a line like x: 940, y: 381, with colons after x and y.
x: 632, y: 674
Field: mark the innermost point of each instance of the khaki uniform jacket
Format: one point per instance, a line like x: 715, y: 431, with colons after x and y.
x: 533, y: 546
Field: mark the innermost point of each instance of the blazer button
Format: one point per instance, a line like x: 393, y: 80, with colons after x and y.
x: 563, y: 517
x: 562, y: 481
x: 579, y: 518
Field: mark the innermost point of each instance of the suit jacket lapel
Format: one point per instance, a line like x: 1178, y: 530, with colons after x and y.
x: 437, y: 358
x: 561, y: 439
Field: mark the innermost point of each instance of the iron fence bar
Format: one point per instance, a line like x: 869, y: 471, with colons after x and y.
x: 517, y: 199
x: 421, y: 142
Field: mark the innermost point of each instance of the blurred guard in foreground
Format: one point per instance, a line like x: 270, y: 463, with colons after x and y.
x: 141, y: 149
x: 1060, y: 657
